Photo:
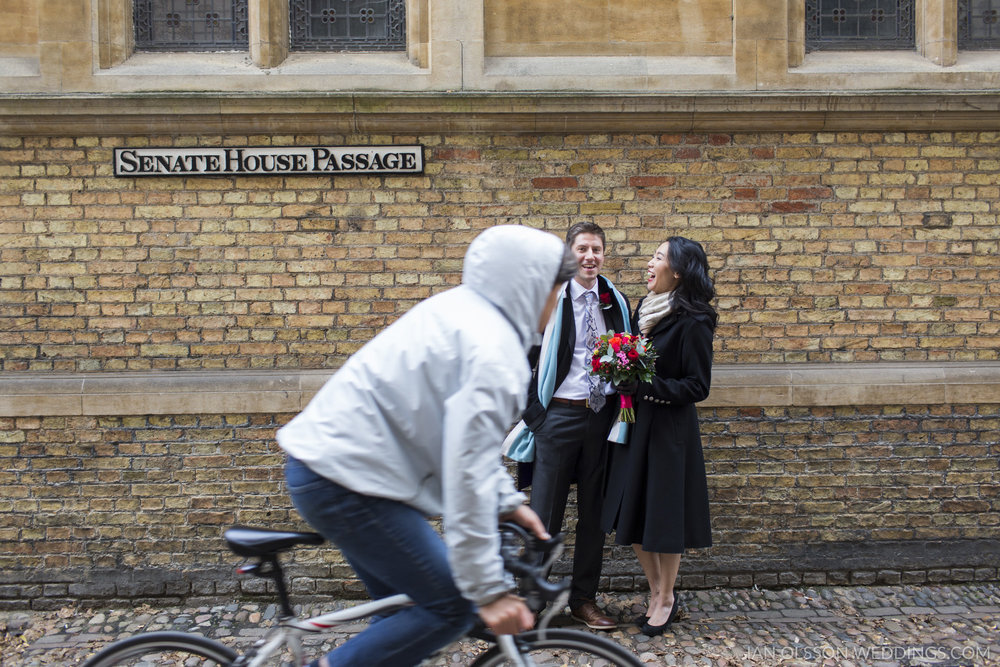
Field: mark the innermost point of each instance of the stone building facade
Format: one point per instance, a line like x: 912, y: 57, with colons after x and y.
x: 155, y: 331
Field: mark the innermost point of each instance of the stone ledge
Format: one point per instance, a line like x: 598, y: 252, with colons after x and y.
x: 806, y: 385
x: 403, y: 113
x: 265, y: 392
x: 141, y: 393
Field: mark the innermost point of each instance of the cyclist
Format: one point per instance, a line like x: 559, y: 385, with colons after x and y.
x: 410, y: 427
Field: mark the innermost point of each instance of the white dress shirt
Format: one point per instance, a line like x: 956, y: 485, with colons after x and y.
x: 576, y: 385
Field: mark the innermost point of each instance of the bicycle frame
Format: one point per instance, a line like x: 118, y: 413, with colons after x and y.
x: 290, y: 628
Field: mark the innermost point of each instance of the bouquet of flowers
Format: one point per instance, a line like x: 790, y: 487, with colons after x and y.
x: 623, y: 358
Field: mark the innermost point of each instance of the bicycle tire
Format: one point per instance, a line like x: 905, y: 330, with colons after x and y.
x: 164, y: 648
x: 565, y: 648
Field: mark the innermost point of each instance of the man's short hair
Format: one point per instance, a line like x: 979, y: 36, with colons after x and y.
x: 585, y: 228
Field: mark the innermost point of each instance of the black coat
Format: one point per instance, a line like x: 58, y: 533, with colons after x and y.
x: 657, y: 493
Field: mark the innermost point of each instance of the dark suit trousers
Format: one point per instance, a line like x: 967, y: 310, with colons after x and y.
x: 571, y: 446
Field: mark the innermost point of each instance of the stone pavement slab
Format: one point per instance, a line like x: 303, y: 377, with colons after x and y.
x: 887, y: 626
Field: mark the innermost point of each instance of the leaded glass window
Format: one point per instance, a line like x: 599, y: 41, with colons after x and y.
x: 348, y: 25
x: 859, y: 24
x: 190, y: 25
x: 979, y: 24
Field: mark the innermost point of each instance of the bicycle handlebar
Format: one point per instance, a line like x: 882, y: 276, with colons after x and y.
x: 529, y: 559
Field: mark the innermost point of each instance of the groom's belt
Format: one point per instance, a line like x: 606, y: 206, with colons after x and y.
x: 578, y: 402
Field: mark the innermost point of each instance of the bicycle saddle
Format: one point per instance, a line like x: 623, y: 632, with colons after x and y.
x: 265, y: 542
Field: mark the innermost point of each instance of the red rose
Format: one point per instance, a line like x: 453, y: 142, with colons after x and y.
x: 632, y: 354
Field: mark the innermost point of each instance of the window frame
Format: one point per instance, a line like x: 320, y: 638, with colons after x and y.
x: 906, y: 18
x: 268, y: 30
x: 240, y: 15
x: 966, y: 42
x: 936, y: 28
x: 395, y: 17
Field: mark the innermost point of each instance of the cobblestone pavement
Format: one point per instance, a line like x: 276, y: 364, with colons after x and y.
x: 885, y: 626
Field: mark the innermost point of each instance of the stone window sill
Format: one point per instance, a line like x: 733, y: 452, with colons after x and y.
x: 239, y: 63
x: 888, y: 62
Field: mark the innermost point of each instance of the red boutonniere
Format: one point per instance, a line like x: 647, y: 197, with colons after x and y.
x: 605, y: 300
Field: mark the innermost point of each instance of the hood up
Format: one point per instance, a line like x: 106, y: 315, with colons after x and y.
x: 514, y: 268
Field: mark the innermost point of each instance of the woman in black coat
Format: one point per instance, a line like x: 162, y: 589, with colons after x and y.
x: 657, y: 497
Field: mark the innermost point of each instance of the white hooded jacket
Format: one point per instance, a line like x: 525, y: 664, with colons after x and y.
x: 418, y: 414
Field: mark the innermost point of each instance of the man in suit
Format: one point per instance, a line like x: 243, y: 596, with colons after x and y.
x: 570, y: 432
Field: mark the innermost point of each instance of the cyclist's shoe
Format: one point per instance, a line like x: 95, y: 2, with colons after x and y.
x: 591, y: 615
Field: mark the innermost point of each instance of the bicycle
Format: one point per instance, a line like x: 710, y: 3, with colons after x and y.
x: 527, y: 559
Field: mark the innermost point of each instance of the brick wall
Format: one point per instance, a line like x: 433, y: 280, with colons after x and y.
x: 108, y: 509
x: 825, y: 247
x: 116, y: 508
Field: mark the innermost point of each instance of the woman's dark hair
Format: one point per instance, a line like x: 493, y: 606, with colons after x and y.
x: 695, y: 290
x: 570, y: 265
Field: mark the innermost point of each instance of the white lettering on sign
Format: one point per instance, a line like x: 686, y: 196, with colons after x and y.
x: 269, y: 161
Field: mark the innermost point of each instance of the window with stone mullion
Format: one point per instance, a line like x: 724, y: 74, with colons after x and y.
x: 859, y: 24
x: 979, y: 24
x: 190, y: 25
x: 347, y: 25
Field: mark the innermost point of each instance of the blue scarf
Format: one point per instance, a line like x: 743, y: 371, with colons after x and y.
x: 520, y: 442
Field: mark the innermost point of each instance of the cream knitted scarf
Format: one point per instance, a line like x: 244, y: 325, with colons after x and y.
x: 653, y: 308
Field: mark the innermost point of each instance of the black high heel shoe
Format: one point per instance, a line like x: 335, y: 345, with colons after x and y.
x: 656, y: 630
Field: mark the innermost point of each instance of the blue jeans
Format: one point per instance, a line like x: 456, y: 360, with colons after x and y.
x: 394, y: 550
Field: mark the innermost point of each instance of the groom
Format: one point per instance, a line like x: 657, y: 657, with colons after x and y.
x: 570, y: 429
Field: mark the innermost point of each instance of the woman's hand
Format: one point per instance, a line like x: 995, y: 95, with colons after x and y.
x: 628, y: 388
x: 507, y: 615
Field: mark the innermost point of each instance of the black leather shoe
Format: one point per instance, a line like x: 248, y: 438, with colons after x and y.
x: 653, y: 630
x: 656, y: 630
x: 674, y: 608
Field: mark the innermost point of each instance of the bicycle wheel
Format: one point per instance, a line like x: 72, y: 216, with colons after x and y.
x: 173, y: 649
x: 563, y: 648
